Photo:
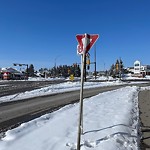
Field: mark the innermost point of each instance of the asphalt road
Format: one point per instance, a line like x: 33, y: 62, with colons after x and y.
x: 13, y: 87
x: 14, y: 113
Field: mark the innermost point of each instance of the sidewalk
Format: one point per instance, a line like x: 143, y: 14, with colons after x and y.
x: 144, y: 106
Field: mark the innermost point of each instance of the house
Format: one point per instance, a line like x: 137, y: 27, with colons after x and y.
x: 11, y: 73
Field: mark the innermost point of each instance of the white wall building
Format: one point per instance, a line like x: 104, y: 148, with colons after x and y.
x: 140, y: 69
x: 137, y: 67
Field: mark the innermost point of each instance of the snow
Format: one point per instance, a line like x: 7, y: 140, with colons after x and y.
x: 56, y: 88
x: 110, y: 122
x: 44, y: 79
x: 130, y: 77
x: 147, y: 77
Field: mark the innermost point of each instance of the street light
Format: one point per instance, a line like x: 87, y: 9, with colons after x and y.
x: 18, y: 64
x: 55, y: 65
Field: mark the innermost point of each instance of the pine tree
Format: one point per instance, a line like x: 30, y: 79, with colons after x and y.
x: 111, y: 71
x: 31, y: 70
x: 117, y: 69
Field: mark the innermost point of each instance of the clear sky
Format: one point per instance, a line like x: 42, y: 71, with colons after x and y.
x: 42, y: 32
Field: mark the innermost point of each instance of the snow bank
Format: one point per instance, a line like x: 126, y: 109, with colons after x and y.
x: 44, y: 79
x: 56, y: 88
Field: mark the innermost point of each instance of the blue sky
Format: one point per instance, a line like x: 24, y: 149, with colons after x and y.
x: 42, y: 32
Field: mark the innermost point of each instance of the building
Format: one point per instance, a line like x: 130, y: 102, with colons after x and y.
x: 141, y: 70
x: 137, y: 67
x: 145, y: 70
x: 11, y: 73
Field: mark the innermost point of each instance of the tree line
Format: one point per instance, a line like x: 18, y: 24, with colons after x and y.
x: 116, y: 70
x: 56, y: 71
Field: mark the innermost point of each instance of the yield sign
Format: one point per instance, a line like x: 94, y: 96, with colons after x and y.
x: 86, y: 41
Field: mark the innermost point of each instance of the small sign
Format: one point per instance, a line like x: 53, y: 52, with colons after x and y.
x: 71, y: 77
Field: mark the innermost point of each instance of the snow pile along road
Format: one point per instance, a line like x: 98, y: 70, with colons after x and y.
x: 111, y: 122
x: 56, y: 88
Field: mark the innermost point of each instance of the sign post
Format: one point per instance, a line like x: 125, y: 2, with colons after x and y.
x: 85, y: 42
x: 80, y: 125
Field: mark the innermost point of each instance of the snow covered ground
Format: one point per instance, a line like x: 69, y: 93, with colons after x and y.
x: 111, y: 122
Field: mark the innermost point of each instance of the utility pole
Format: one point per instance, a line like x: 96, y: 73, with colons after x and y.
x: 27, y: 71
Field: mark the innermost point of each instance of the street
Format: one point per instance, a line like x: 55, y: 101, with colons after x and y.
x: 14, y: 113
x: 13, y: 87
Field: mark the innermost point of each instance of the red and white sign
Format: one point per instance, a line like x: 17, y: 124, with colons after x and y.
x: 85, y: 42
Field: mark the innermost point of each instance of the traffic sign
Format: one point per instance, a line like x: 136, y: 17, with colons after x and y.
x: 85, y: 42
x: 71, y: 77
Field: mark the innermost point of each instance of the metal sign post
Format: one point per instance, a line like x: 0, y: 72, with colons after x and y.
x: 85, y: 42
x: 80, y: 126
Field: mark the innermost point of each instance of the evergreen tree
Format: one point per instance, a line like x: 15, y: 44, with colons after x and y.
x: 65, y: 71
x: 31, y: 70
x: 117, y: 69
x: 112, y: 70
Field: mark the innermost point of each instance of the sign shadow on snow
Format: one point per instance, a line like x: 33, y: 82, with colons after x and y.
x: 107, y: 128
x: 117, y: 136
